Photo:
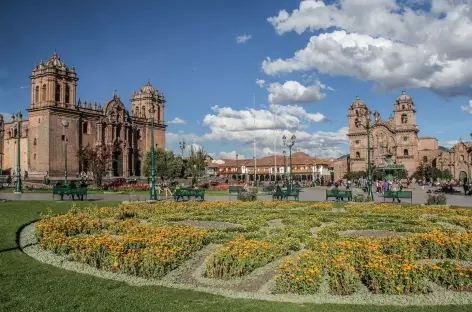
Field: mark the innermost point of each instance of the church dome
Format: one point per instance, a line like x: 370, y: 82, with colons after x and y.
x: 358, y: 102
x: 404, y: 97
x: 55, y: 61
x: 148, y: 89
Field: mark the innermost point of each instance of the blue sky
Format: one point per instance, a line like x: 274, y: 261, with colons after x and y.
x: 189, y: 51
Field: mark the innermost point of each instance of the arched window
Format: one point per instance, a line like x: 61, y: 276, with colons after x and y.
x: 36, y: 95
x: 58, y: 92
x: 158, y: 114
x: 405, y: 152
x: 85, y: 128
x: 403, y: 106
x: 15, y: 133
x: 143, y: 111
x: 43, y: 93
x: 461, y: 157
x: 425, y: 159
x: 35, y: 141
x: 67, y: 94
x: 358, y: 155
x: 404, y: 119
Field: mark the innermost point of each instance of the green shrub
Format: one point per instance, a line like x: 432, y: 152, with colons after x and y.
x: 433, y: 199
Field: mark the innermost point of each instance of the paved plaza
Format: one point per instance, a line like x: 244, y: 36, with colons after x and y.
x: 310, y: 194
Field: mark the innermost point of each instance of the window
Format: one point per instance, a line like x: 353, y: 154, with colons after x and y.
x: 461, y: 157
x: 357, y: 141
x: 39, y: 120
x: 404, y: 119
x: 43, y: 93
x: 403, y: 106
x: 425, y: 159
x: 358, y: 155
x: 85, y: 127
x: 58, y: 92
x: 35, y: 141
x: 67, y: 94
x: 405, y: 138
x: 34, y: 156
x: 15, y: 133
x: 36, y: 95
x: 138, y: 134
x: 63, y: 137
x: 405, y: 152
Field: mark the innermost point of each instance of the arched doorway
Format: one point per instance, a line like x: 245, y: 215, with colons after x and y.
x: 462, y: 176
x: 117, y: 164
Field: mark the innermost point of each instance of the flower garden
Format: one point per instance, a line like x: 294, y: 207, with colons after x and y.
x: 275, y: 248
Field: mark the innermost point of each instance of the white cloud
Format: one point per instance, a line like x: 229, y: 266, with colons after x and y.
x: 6, y: 117
x: 227, y: 124
x: 177, y: 120
x: 385, y: 41
x: 449, y: 144
x: 292, y: 92
x: 468, y: 108
x: 231, y: 155
x: 261, y: 83
x: 243, y: 38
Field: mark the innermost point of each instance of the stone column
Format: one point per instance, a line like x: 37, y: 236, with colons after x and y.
x: 63, y: 93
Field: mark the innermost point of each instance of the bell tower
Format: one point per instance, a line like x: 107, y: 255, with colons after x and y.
x: 53, y: 84
x: 358, y: 118
x: 405, y: 113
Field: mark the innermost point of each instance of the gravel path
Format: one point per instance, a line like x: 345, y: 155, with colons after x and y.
x: 190, y: 276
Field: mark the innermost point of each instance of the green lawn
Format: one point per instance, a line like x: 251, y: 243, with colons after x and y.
x: 28, y: 285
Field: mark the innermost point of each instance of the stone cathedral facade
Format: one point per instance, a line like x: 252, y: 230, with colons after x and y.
x: 53, y: 100
x: 398, y: 138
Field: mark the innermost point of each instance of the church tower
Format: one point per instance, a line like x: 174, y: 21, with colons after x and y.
x: 358, y: 115
x: 53, y: 84
x: 53, y: 94
x: 405, y: 113
x: 143, y: 102
x: 406, y: 130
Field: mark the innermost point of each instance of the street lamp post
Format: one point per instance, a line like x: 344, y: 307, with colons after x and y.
x: 152, y: 190
x: 237, y: 168
x: 18, y: 188
x: 290, y: 145
x: 182, y: 147
x: 367, y: 126
x: 270, y: 171
x: 285, y: 167
x: 65, y: 124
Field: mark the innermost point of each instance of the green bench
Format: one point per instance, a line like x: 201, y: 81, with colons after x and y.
x: 285, y: 194
x: 398, y: 194
x: 62, y: 190
x: 189, y: 193
x: 339, y: 194
x: 235, y: 189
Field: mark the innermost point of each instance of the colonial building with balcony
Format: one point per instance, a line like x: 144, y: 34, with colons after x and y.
x: 274, y: 168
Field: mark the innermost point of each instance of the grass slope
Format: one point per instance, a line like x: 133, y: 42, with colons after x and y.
x: 28, y: 285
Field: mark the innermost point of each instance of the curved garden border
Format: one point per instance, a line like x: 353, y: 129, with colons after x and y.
x: 192, y: 273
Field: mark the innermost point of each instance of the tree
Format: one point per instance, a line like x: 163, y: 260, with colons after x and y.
x: 96, y: 159
x: 167, y: 164
x: 354, y: 175
x: 195, y: 164
x: 431, y: 173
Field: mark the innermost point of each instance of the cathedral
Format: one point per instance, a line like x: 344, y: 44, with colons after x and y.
x: 58, y: 125
x: 397, y: 138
